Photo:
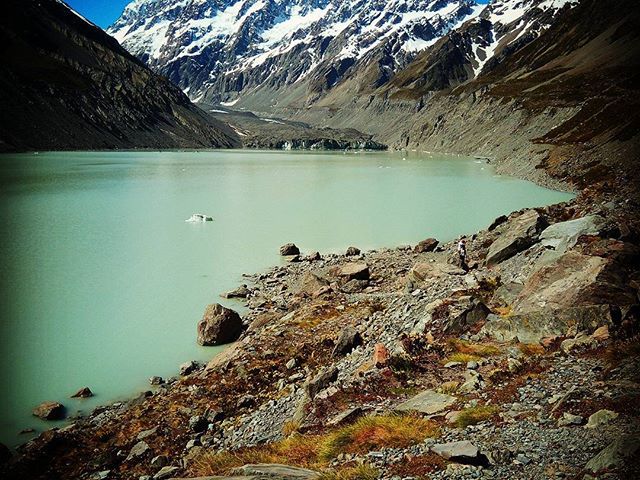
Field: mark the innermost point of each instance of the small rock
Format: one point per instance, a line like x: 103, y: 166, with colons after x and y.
x: 84, y: 392
x: 348, y: 416
x: 523, y: 459
x: 165, y: 472
x: 570, y: 419
x: 138, y: 450
x: 146, y: 433
x: 246, y: 401
x: 188, y: 367
x: 314, y: 257
x: 159, y: 461
x: 472, y: 365
x: 322, y: 380
x: 578, y: 343
x: 50, y: 411
x: 240, y: 292
x: 452, y: 364
x: 349, y: 339
x: 514, y: 365
x: 600, y: 418
x: 601, y: 334
x: 156, y: 380
x: 462, y: 451
x: 289, y: 249
x: 352, y: 252
x: 380, y: 355
x: 291, y: 364
x: 198, y: 423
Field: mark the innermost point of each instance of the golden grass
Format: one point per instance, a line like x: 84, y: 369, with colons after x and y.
x: 504, y: 312
x: 460, y: 357
x: 531, y: 349
x: 361, y: 472
x: 374, y: 433
x: 476, y: 349
x: 475, y: 415
x: 316, y: 451
x: 449, y: 388
x: 290, y: 427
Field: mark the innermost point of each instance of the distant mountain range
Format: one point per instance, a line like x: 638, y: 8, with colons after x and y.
x: 65, y: 84
x: 219, y: 50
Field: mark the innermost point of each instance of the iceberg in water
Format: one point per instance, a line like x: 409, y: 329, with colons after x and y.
x: 199, y: 217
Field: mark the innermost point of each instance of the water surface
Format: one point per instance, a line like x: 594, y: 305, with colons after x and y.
x: 103, y: 282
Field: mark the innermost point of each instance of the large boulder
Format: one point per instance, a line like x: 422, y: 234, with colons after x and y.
x: 50, y: 411
x: 562, y: 236
x: 532, y: 327
x: 425, y: 270
x: 354, y: 271
x: 516, y: 235
x: 428, y: 402
x: 427, y: 245
x: 219, y: 325
x: 309, y: 283
x: 289, y: 249
x: 575, y: 279
x: 616, y: 454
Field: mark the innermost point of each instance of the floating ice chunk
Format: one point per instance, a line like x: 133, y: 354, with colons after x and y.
x: 199, y: 217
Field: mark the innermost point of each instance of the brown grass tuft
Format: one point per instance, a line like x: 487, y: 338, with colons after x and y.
x: 360, y: 472
x: 475, y: 415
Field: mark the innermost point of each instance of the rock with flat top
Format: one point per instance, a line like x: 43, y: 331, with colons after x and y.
x: 462, y: 451
x: 138, y: 450
x: 50, y: 411
x: 352, y: 252
x: 165, y: 472
x: 355, y: 271
x: 428, y: 402
x: 425, y: 270
x: 241, y: 292
x: 276, y: 471
x: 601, y: 418
x: 219, y: 325
x: 563, y: 235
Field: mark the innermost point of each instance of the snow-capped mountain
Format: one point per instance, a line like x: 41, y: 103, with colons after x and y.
x: 218, y: 49
x: 231, y: 45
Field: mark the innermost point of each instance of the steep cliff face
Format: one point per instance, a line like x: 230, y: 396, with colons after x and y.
x: 65, y: 84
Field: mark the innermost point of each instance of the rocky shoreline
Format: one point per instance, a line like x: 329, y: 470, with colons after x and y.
x: 399, y: 364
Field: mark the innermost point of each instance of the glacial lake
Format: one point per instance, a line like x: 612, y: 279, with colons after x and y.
x: 103, y: 281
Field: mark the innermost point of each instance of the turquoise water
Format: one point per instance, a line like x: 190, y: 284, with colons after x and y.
x: 103, y: 282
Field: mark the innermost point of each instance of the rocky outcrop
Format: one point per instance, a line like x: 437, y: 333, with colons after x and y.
x: 219, y: 325
x: 617, y: 454
x: 516, y: 235
x: 428, y: 402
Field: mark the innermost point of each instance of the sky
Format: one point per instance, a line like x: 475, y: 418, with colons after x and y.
x: 104, y: 12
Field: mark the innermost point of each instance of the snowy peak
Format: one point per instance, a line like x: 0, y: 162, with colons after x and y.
x: 230, y: 45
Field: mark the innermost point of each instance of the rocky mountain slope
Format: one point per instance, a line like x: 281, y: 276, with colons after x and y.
x: 217, y: 50
x: 65, y: 84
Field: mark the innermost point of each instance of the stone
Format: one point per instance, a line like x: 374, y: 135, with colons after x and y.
x: 562, y: 236
x: 464, y: 312
x: 355, y: 271
x: 313, y: 257
x: 579, y: 343
x: 322, y: 380
x: 219, y: 325
x: 352, y: 252
x: 159, y: 461
x: 473, y: 382
x: 349, y: 339
x: 345, y: 417
x: 532, y: 327
x: 137, y: 450
x: 570, y: 419
x: 289, y: 249
x: 513, y: 365
x: 601, y: 334
x: 291, y: 364
x: 276, y: 471
x: 380, y: 355
x: 516, y: 235
x: 600, y: 418
x: 309, y: 283
x: 50, y: 411
x: 156, y: 380
x: 497, y: 222
x: 102, y: 475
x: 427, y: 245
x: 428, y: 402
x: 616, y: 454
x: 189, y: 367
x: 240, y: 292
x: 472, y: 365
x: 354, y: 286
x: 452, y: 364
x: 165, y: 472
x: 84, y: 392
x: 198, y: 423
x: 425, y: 270
x: 461, y: 452
x: 146, y: 433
